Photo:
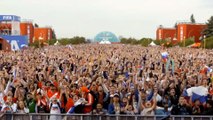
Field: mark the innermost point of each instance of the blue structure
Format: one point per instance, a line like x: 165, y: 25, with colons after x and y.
x: 10, y: 18
x: 106, y: 36
x: 18, y: 41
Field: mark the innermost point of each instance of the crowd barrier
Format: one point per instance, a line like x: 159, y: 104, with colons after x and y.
x: 45, y: 116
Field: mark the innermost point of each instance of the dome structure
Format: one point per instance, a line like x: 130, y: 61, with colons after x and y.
x: 106, y: 37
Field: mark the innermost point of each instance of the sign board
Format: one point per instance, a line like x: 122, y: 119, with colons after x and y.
x: 16, y: 42
x: 9, y: 18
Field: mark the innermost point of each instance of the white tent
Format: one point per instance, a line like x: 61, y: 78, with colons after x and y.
x: 152, y: 44
x: 57, y: 43
x: 105, y: 42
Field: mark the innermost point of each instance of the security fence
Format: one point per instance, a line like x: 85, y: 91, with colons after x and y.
x: 45, y: 116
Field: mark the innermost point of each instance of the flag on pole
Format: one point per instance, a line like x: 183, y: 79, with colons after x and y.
x: 14, y: 73
x: 173, y: 66
x: 164, y: 56
x: 208, y: 69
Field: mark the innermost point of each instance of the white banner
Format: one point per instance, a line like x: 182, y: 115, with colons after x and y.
x: 15, y: 28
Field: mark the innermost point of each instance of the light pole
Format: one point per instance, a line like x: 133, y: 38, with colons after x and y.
x: 184, y: 42
x: 204, y: 37
x: 39, y: 41
x: 175, y: 39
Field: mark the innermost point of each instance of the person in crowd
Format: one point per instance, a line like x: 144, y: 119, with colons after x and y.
x: 197, y: 108
x: 99, y: 110
x: 21, y: 108
x: 209, y: 108
x: 129, y: 110
x: 115, y: 107
x: 181, y: 108
x: 149, y: 108
x: 9, y: 106
x: 31, y: 103
x: 89, y: 99
x: 55, y: 109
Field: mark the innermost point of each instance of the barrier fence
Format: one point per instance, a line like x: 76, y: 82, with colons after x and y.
x: 45, y: 116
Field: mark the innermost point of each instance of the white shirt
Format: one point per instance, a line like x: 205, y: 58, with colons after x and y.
x: 12, y: 108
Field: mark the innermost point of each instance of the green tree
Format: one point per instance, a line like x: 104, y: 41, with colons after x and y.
x: 187, y: 42
x: 129, y: 41
x: 157, y: 42
x: 145, y: 41
x: 209, y: 43
x: 175, y: 26
x: 192, y: 19
x: 208, y: 32
x: 35, y: 44
x: 53, y: 35
x: 51, y: 42
x: 36, y: 25
x: 74, y: 40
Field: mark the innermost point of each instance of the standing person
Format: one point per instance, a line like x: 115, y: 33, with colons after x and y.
x: 115, y: 106
x: 42, y: 104
x: 181, y: 108
x: 94, y: 93
x: 103, y: 97
x: 21, y: 108
x: 209, y: 108
x: 149, y: 107
x: 99, y: 110
x: 89, y: 99
x: 31, y: 103
x: 9, y: 107
x: 197, y: 108
x: 129, y: 110
x: 55, y: 109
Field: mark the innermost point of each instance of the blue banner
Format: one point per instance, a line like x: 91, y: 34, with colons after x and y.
x: 16, y: 42
x: 9, y: 18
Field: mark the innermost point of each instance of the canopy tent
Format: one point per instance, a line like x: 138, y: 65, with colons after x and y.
x: 57, y: 43
x: 105, y: 42
x: 152, y: 44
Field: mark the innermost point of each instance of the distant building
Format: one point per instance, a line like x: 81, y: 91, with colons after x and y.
x: 106, y: 37
x: 19, y: 33
x: 10, y: 33
x: 165, y: 33
x: 189, y: 30
x: 183, y: 31
x: 43, y: 34
x: 27, y: 29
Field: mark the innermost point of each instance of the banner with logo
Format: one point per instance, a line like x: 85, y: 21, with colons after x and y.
x: 17, y: 42
x: 9, y: 18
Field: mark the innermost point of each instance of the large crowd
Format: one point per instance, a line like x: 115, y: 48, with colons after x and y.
x: 106, y: 79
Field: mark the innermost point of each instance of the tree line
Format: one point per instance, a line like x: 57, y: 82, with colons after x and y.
x: 208, y: 33
x: 63, y: 41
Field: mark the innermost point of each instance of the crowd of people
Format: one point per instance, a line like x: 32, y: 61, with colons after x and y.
x: 106, y: 79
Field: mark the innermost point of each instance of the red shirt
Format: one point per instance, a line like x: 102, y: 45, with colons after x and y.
x: 50, y: 93
x: 69, y: 104
x: 89, y: 98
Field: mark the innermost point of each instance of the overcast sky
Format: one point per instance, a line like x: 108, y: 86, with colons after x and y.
x: 127, y: 18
